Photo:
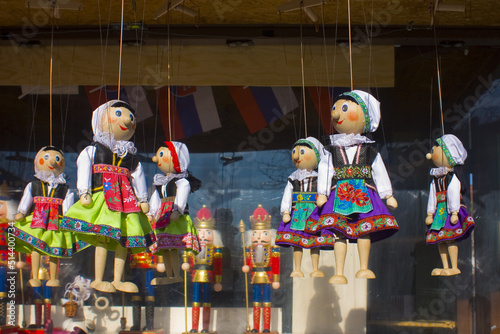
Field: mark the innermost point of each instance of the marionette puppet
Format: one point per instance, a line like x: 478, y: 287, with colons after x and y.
x: 298, y: 202
x: 206, y: 267
x: 448, y: 221
x: 263, y: 262
x: 37, y: 227
x: 169, y: 208
x: 113, y: 195
x: 351, y: 188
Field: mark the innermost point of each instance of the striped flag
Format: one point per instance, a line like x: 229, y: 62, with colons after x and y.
x: 260, y: 106
x: 193, y: 110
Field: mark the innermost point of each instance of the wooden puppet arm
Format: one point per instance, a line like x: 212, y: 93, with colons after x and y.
x: 429, y: 218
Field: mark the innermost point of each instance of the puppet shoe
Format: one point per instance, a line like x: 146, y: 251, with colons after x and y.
x: 102, y: 286
x: 161, y: 281
x: 437, y: 271
x: 365, y: 273
x: 53, y: 283
x: 35, y: 282
x: 297, y: 273
x: 317, y: 273
x: 338, y: 279
x: 125, y: 286
x: 450, y: 272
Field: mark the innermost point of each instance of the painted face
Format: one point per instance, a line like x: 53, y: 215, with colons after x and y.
x: 206, y: 236
x: 261, y: 237
x: 120, y: 121
x: 303, y: 157
x: 3, y: 209
x: 438, y: 157
x: 348, y: 117
x: 163, y: 159
x: 50, y: 161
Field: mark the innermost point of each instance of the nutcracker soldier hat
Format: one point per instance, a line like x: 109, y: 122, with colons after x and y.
x: 260, y: 219
x: 204, y: 219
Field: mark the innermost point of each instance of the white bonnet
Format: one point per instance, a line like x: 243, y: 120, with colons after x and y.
x: 370, y: 107
x: 453, y: 149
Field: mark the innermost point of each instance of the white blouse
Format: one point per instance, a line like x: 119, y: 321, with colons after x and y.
x: 27, y: 200
x: 181, y: 197
x: 452, y: 196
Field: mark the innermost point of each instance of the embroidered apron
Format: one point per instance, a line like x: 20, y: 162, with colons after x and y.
x: 118, y: 192
x: 441, y: 212
x: 304, y: 205
x: 46, y: 212
x: 167, y: 205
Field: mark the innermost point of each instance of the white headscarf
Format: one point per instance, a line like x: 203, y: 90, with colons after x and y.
x: 120, y: 147
x: 183, y: 156
x: 370, y: 107
x: 453, y: 149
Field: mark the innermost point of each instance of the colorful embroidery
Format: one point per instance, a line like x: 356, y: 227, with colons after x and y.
x: 46, y: 249
x: 304, y: 197
x: 46, y: 213
x: 82, y: 226
x: 118, y: 193
x: 444, y: 234
x: 353, y: 172
x: 166, y: 240
x: 358, y: 229
x: 352, y: 197
x: 109, y: 169
x: 299, y: 241
x: 447, y: 152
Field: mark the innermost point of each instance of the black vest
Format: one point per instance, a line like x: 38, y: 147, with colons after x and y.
x: 104, y: 156
x: 38, y: 188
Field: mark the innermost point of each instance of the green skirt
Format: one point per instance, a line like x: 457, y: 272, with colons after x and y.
x: 179, y: 234
x: 56, y: 243
x: 97, y: 224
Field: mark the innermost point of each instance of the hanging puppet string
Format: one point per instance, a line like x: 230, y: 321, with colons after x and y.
x: 121, y: 50
x: 50, y: 73
x: 302, y: 70
x: 350, y: 41
x: 438, y: 70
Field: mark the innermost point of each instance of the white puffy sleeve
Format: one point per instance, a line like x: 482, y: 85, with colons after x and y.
x: 453, y: 195
x: 432, y: 202
x: 182, y: 193
x: 26, y: 200
x: 139, y: 183
x: 68, y: 201
x: 286, y: 201
x: 84, y: 170
x: 325, y: 173
x: 381, y: 178
x: 154, y: 204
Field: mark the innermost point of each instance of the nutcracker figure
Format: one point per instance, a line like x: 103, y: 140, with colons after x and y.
x: 206, y: 268
x: 263, y: 262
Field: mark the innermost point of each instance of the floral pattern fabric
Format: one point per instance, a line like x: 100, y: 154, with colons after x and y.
x: 351, y: 196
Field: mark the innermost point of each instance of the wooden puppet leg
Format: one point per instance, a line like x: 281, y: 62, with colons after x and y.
x: 101, y: 252
x: 443, y: 253
x: 297, y: 261
x: 54, y: 264
x: 364, y: 245
x: 453, y: 252
x: 120, y: 259
x: 340, y: 252
x: 315, y: 263
x: 35, y: 267
x: 176, y: 267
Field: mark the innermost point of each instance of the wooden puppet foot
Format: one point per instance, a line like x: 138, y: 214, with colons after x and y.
x: 436, y: 271
x: 174, y: 279
x: 34, y: 282
x: 450, y: 272
x: 161, y: 281
x: 365, y: 273
x: 338, y: 279
x: 125, y: 286
x: 297, y: 273
x: 53, y: 283
x: 102, y: 286
x: 317, y: 273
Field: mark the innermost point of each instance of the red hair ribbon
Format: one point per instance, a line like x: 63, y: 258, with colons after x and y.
x: 175, y: 158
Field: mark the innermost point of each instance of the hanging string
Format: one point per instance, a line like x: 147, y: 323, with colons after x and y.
x: 302, y: 70
x: 121, y: 50
x: 168, y: 79
x: 438, y: 68
x: 50, y: 73
x: 350, y: 41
